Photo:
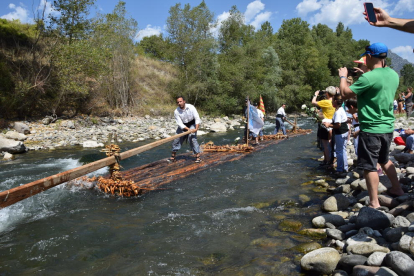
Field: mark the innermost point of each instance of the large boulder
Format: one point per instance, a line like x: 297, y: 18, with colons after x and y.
x: 320, y: 261
x: 11, y: 146
x: 21, y: 128
x: 370, y: 217
x: 218, y: 127
x: 14, y: 135
x: 335, y: 203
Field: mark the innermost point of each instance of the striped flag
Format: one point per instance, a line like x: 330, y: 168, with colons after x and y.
x: 261, y: 105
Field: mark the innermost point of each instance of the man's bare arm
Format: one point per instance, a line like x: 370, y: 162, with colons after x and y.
x: 346, y: 92
x: 384, y: 20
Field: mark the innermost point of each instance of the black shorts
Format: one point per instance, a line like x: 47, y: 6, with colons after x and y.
x: 323, y: 133
x: 373, y: 148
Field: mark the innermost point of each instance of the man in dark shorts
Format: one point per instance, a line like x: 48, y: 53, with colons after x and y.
x: 375, y: 91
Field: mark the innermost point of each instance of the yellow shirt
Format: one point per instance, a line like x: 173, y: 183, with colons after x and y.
x: 327, y: 109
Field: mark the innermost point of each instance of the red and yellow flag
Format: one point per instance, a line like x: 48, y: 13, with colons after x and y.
x: 261, y: 105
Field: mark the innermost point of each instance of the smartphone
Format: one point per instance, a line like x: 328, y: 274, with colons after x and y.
x: 369, y: 9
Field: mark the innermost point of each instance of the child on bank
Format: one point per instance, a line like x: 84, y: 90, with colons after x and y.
x: 340, y: 130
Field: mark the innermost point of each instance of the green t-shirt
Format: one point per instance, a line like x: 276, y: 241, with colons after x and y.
x: 375, y: 92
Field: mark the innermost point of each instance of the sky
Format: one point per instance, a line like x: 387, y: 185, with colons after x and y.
x: 151, y: 15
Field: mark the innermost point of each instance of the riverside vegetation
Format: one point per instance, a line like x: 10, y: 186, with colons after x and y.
x: 85, y: 62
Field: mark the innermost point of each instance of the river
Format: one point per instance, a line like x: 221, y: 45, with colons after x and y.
x: 222, y: 221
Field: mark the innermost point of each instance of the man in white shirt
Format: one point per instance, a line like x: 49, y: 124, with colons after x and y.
x: 280, y: 117
x: 187, y: 118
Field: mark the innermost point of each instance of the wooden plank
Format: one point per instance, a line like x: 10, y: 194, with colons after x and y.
x: 17, y: 194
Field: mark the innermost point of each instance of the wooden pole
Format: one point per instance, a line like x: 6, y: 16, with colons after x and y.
x: 17, y: 194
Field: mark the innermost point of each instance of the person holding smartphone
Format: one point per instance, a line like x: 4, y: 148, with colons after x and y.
x: 375, y: 91
x: 384, y: 20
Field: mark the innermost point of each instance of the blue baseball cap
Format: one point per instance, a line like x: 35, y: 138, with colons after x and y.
x: 379, y: 50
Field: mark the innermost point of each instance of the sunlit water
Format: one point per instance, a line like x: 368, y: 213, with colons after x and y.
x: 222, y: 221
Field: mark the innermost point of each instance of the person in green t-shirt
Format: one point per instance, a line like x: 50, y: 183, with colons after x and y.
x: 375, y: 91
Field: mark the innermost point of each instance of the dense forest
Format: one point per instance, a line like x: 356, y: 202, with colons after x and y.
x: 72, y: 63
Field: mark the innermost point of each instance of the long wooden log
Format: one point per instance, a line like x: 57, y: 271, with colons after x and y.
x: 17, y: 194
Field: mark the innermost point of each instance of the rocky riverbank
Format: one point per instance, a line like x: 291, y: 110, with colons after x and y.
x: 356, y: 239
x: 95, y: 132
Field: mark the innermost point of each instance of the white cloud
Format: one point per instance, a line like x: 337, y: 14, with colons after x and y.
x: 19, y: 12
x: 222, y: 17
x: 260, y: 19
x: 404, y: 52
x: 331, y: 12
x: 148, y: 31
x: 253, y: 8
x: 403, y: 6
x: 48, y: 8
x: 308, y: 6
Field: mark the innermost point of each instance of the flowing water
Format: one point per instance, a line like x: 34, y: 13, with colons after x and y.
x: 222, y: 221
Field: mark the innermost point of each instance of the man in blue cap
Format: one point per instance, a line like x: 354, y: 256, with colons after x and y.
x: 375, y: 91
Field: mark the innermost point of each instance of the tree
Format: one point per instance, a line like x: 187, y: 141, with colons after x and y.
x: 114, y: 34
x: 72, y: 21
x: 407, y: 74
x: 193, y: 51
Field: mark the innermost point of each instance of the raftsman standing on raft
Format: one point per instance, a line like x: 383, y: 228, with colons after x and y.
x: 187, y: 118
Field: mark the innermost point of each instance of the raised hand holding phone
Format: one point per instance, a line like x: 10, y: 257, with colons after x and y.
x: 369, y: 10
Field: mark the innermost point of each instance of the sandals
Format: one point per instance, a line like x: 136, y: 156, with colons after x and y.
x: 198, y: 160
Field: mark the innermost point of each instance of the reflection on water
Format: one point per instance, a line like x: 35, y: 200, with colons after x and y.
x: 223, y: 221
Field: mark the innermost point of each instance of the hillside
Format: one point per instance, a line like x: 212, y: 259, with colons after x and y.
x: 397, y: 62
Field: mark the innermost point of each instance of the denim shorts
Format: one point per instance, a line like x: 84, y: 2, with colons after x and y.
x: 373, y: 148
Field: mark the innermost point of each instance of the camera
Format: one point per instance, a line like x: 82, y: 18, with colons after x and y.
x: 352, y: 72
x: 320, y: 96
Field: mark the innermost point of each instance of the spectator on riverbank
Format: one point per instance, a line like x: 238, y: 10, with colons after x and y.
x: 408, y: 96
x: 340, y: 130
x: 375, y: 91
x: 187, y: 118
x: 384, y: 20
x: 328, y: 111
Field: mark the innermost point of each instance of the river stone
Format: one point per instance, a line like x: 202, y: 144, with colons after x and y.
x: 388, y: 201
x: 335, y: 203
x: 394, y: 234
x: 373, y: 218
x: 320, y: 221
x: 405, y: 241
x: 410, y: 217
x: 339, y: 273
x: 409, y: 170
x: 314, y: 233
x: 92, y: 144
x: 348, y: 262
x: 321, y: 261
x: 11, y: 146
x: 7, y: 156
x: 362, y: 270
x: 360, y: 238
x: 376, y: 258
x: 366, y: 248
x: 289, y: 225
x: 335, y: 234
x: 21, y: 128
x: 347, y: 227
x: 401, y: 221
x: 14, y: 135
x: 399, y: 262
x: 218, y: 127
x: 344, y: 188
x: 307, y: 247
x: 404, y: 157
